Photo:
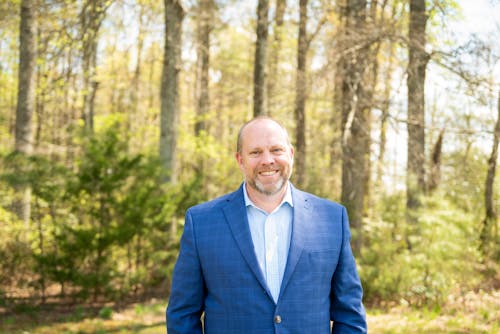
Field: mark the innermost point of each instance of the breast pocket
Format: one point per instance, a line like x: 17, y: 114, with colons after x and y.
x: 321, y: 262
x: 314, y: 272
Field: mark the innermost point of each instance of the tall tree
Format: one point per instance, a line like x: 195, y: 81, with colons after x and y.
x: 301, y: 95
x: 390, y: 23
x: 91, y: 17
x: 418, y: 59
x: 174, y: 15
x: 489, y: 228
x: 355, y: 135
x: 134, y: 96
x: 204, y: 28
x: 260, y: 75
x: 373, y: 23
x: 384, y: 108
x: 301, y: 90
x: 274, y: 54
x: 26, y: 97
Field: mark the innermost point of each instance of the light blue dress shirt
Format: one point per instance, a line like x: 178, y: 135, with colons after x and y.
x: 271, y: 233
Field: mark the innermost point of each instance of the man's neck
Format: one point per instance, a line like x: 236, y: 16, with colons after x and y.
x: 266, y: 202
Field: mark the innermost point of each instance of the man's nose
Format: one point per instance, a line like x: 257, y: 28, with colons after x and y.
x: 267, y: 158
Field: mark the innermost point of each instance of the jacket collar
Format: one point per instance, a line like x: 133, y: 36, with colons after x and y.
x: 236, y: 216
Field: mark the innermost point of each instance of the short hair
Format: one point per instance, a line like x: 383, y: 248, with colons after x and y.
x: 257, y: 118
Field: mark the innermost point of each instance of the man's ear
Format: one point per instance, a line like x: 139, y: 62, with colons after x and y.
x: 239, y: 159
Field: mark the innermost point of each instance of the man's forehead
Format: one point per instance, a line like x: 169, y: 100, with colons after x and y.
x: 268, y: 133
x: 262, y: 127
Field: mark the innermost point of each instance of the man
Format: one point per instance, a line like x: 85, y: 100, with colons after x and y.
x: 267, y: 258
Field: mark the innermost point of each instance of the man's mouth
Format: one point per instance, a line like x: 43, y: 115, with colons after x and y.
x: 268, y: 173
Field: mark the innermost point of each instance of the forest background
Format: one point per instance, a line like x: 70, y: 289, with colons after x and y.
x: 117, y: 115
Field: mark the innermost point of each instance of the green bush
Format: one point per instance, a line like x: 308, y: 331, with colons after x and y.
x: 106, y: 313
x: 444, y: 249
x: 98, y: 228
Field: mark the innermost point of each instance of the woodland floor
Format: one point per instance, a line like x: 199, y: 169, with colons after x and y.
x: 474, y: 312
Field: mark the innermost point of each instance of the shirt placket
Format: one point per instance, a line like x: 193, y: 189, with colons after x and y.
x: 272, y: 265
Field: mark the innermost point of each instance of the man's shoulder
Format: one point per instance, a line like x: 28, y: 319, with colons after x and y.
x: 316, y: 200
x: 214, y: 204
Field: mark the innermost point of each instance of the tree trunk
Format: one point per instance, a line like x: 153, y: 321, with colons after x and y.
x: 300, y: 97
x: 418, y: 59
x: 385, y: 115
x: 205, y: 22
x: 259, y: 76
x: 340, y: 61
x: 203, y: 30
x: 25, y: 99
x: 372, y: 69
x: 489, y: 229
x: 275, y: 55
x: 435, y: 172
x: 174, y: 15
x: 355, y: 136
x: 134, y: 116
x: 91, y: 16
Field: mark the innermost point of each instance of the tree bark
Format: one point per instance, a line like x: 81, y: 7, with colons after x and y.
x: 91, y: 17
x: 489, y: 229
x: 372, y: 72
x: 384, y: 108
x: 300, y: 97
x: 25, y: 99
x: 174, y: 15
x: 355, y: 136
x: 260, y: 75
x: 418, y: 59
x: 205, y: 23
x: 134, y: 116
x: 275, y: 55
x: 435, y: 172
x: 203, y: 30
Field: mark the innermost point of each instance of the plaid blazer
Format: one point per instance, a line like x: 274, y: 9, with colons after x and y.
x: 218, y: 287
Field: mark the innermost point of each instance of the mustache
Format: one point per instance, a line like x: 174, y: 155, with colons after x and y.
x: 269, y: 169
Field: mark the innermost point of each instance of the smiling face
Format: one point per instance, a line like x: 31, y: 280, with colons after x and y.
x: 265, y: 156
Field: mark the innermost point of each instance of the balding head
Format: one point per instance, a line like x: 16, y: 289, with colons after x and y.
x: 255, y: 121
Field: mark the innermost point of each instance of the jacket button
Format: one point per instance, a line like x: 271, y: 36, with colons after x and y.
x: 277, y: 319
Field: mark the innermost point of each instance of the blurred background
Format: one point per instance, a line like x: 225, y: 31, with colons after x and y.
x: 117, y: 115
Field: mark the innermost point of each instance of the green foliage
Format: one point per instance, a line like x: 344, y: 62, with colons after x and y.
x: 106, y: 313
x: 115, y: 197
x: 98, y: 230
x: 442, y: 257
x: 15, y: 253
x: 465, y: 185
x: 210, y: 163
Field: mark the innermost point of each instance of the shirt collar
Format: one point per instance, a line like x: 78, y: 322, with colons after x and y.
x: 286, y: 199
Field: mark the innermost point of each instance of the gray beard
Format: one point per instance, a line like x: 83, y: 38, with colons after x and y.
x: 274, y: 190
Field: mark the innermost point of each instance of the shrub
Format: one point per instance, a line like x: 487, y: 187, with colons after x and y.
x: 106, y: 312
x: 441, y: 258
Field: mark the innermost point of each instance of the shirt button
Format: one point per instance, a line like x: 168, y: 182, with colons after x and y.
x: 277, y: 319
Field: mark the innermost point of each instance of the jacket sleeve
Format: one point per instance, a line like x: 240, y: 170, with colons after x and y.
x: 187, y: 296
x: 346, y: 310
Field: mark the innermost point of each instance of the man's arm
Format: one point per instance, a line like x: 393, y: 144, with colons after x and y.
x: 347, y: 311
x: 188, y: 289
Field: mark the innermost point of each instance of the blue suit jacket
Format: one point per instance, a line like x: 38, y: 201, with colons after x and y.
x: 217, y: 273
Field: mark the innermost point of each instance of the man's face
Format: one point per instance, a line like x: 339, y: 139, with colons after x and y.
x: 266, y: 157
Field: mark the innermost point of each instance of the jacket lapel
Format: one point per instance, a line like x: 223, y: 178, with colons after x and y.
x: 236, y: 216
x: 301, y: 212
